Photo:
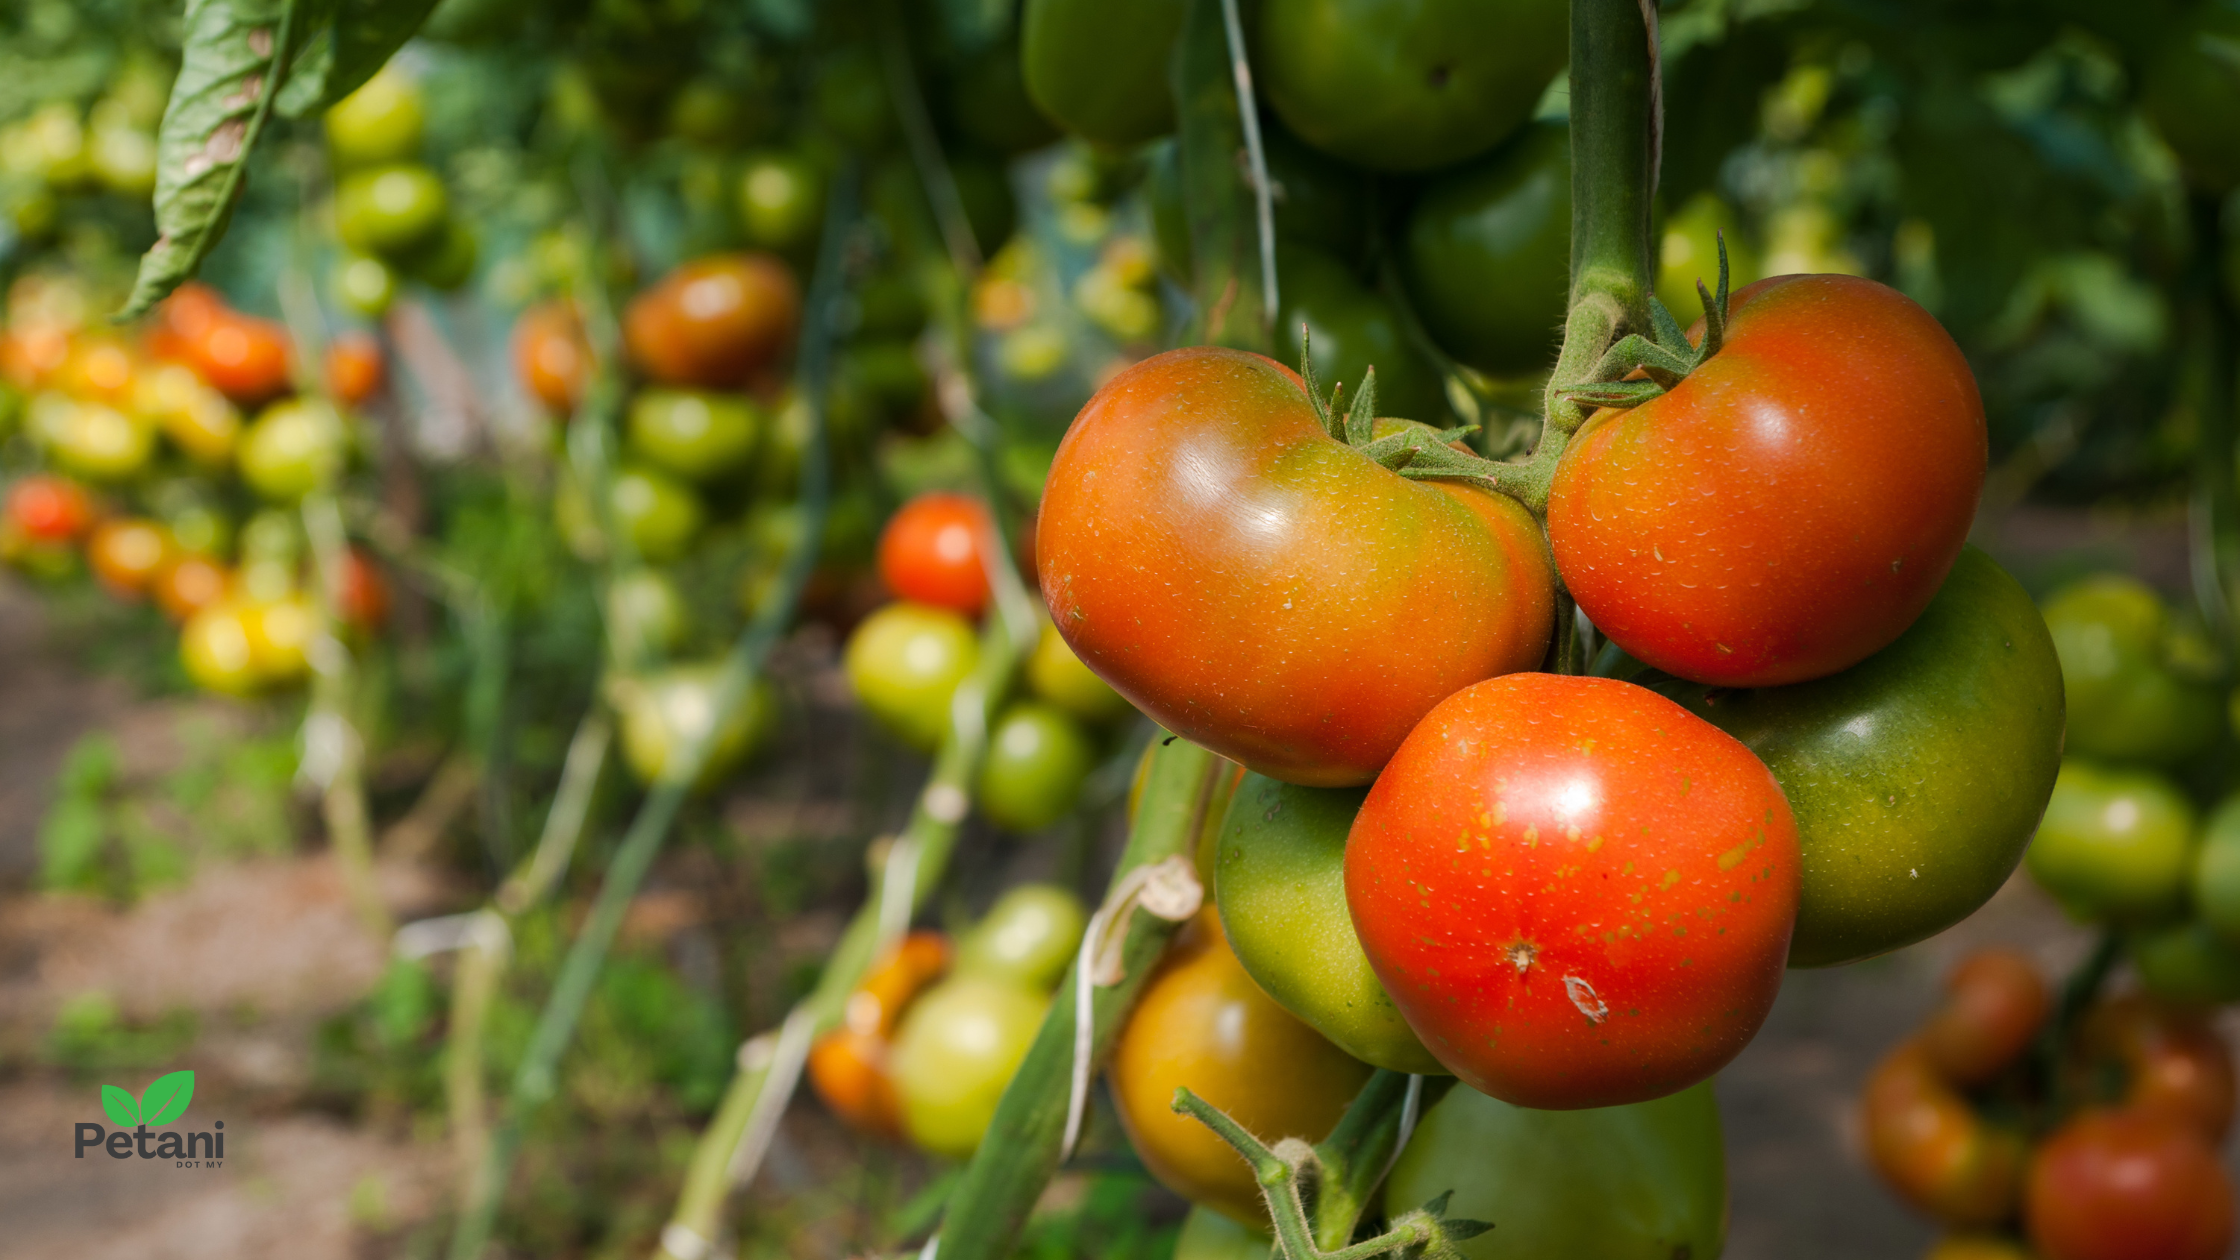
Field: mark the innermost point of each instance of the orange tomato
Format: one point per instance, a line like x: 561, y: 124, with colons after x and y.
x: 1932, y: 1147
x: 354, y: 368
x: 128, y: 553
x: 182, y: 319
x: 2174, y: 1062
x: 190, y: 584
x: 361, y: 596
x: 848, y: 1066
x: 245, y: 357
x: 714, y: 322
x: 99, y: 368
x: 1994, y: 1002
x: 929, y: 552
x: 550, y: 356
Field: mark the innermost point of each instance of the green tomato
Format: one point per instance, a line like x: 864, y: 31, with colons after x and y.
x: 1208, y: 1235
x: 2125, y: 703
x: 101, y: 443
x: 1057, y: 675
x: 658, y: 514
x: 123, y: 159
x: 2116, y: 845
x: 1689, y: 252
x: 1027, y: 938
x: 1486, y: 254
x: 1353, y: 328
x: 1036, y: 763
x: 694, y: 433
x: 2188, y: 963
x: 957, y: 1049
x: 1280, y: 882
x: 988, y: 101
x: 905, y: 662
x: 1646, y: 1181
x: 781, y: 200
x: 1099, y: 70
x: 365, y: 284
x: 390, y: 210
x: 294, y: 447
x: 2216, y: 870
x: 1918, y: 775
x: 1408, y: 87
x: 663, y: 711
x: 379, y: 123
x: 646, y: 616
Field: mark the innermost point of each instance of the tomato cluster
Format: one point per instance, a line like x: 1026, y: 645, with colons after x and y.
x: 2092, y: 1134
x: 392, y: 211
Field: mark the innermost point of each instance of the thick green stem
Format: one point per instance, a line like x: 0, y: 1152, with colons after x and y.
x: 1613, y: 156
x: 2213, y: 346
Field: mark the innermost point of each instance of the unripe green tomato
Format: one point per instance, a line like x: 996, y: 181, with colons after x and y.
x: 1057, y: 675
x: 2216, y: 871
x: 1352, y: 329
x: 1645, y: 1181
x: 663, y: 711
x: 380, y: 122
x: 1208, y: 1235
x: 905, y: 662
x: 658, y: 514
x: 101, y: 443
x: 988, y: 102
x: 2115, y: 846
x: 446, y: 260
x: 272, y: 536
x: 124, y: 160
x: 692, y: 433
x: 958, y: 1047
x: 1028, y: 937
x: 214, y: 647
x: 2189, y: 964
x: 1280, y: 883
x: 1689, y: 253
x: 1486, y: 253
x: 294, y: 447
x: 1037, y: 760
x: 390, y: 210
x: 781, y: 200
x: 1100, y: 70
x: 365, y: 284
x: 646, y: 616
x: 2125, y: 704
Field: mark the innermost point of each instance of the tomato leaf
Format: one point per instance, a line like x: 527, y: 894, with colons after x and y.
x: 1216, y: 199
x: 166, y: 1097
x: 123, y: 1108
x: 342, y: 56
x: 232, y: 53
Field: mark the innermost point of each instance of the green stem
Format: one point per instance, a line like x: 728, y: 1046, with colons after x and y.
x: 1613, y: 156
x: 1358, y: 1153
x: 2214, y: 329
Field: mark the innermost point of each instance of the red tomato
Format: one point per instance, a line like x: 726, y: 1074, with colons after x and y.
x: 1932, y: 1148
x: 183, y: 318
x: 361, y: 597
x: 190, y: 584
x: 2173, y: 1061
x: 714, y: 322
x: 1577, y: 893
x: 930, y: 553
x: 127, y: 553
x: 1789, y: 508
x: 550, y: 357
x: 2121, y: 1185
x: 354, y: 368
x: 50, y: 508
x: 245, y: 357
x: 1264, y: 590
x: 1994, y: 1002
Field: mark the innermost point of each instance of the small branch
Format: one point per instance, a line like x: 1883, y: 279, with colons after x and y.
x: 1256, y: 155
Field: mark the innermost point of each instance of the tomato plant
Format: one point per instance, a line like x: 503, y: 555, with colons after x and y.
x: 1099, y: 72
x: 2126, y: 703
x: 1612, y: 922
x: 52, y: 509
x: 1994, y: 1003
x: 849, y: 1067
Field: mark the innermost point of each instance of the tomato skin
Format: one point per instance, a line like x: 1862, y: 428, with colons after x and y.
x: 1203, y: 1023
x: 551, y: 359
x: 905, y: 662
x: 1615, y: 926
x: 127, y: 553
x: 2115, y: 846
x: 1907, y: 831
x: 1280, y: 885
x: 50, y: 508
x: 1994, y: 1002
x: 1057, y: 675
x: 930, y: 552
x: 1792, y: 506
x: 1644, y: 1181
x: 1931, y: 1147
x: 1486, y: 254
x: 1100, y: 71
x: 1408, y: 87
x: 1258, y: 587
x: 714, y: 322
x: 2117, y: 1185
x: 2174, y: 1062
x: 1036, y: 763
x: 354, y: 368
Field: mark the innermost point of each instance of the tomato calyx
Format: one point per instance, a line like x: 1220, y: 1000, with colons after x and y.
x: 1640, y: 368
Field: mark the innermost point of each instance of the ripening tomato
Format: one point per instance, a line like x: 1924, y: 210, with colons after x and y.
x: 203, y: 423
x: 214, y: 646
x: 957, y: 1049
x: 1028, y: 937
x: 2118, y: 1185
x: 848, y: 1067
x: 354, y: 368
x: 189, y: 584
x: 127, y: 553
x: 50, y: 508
x: 551, y: 359
x: 904, y: 663
x: 714, y: 322
x: 1994, y: 1002
x: 246, y: 358
x: 184, y: 316
x: 1789, y: 508
x: 663, y: 711
x: 293, y: 448
x: 98, y: 442
x: 361, y: 597
x: 100, y: 368
x: 1202, y: 1023
x: 1057, y: 675
x: 1264, y: 590
x: 1932, y: 1148
x: 280, y: 631
x: 1578, y: 893
x: 2172, y: 1061
x: 930, y: 552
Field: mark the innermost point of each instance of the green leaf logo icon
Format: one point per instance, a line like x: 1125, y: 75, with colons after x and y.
x: 166, y: 1098
x: 124, y: 1111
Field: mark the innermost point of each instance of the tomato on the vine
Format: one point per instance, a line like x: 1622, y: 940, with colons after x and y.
x: 849, y: 1067
x: 664, y: 711
x: 1791, y: 506
x: 2120, y: 1185
x: 957, y: 1049
x: 1353, y: 328
x: 2171, y: 1062
x: 550, y: 356
x: 245, y: 357
x: 1057, y: 675
x: 2115, y: 845
x: 715, y: 322
x: 657, y: 514
x: 293, y: 448
x: 1486, y: 253
x: 214, y: 645
x: 905, y: 662
x: 354, y: 367
x: 1930, y: 1145
x: 1261, y: 588
x: 1036, y: 762
x: 127, y: 553
x: 1994, y: 1003
x: 1203, y: 1024
x: 2126, y: 703
x: 1578, y: 893
x: 1028, y: 937
x: 931, y: 552
x: 781, y: 200
x: 190, y: 584
x: 694, y: 434
x: 380, y: 122
x: 1099, y: 71
x: 361, y: 595
x: 49, y: 508
x: 388, y: 211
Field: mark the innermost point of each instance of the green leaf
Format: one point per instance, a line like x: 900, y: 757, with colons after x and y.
x: 362, y: 38
x: 167, y: 1096
x: 218, y: 107
x: 123, y: 1108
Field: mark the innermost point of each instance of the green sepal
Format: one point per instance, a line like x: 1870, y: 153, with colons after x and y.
x: 1361, y: 418
x: 1613, y: 393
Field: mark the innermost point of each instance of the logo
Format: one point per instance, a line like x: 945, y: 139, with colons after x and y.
x: 163, y: 1101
